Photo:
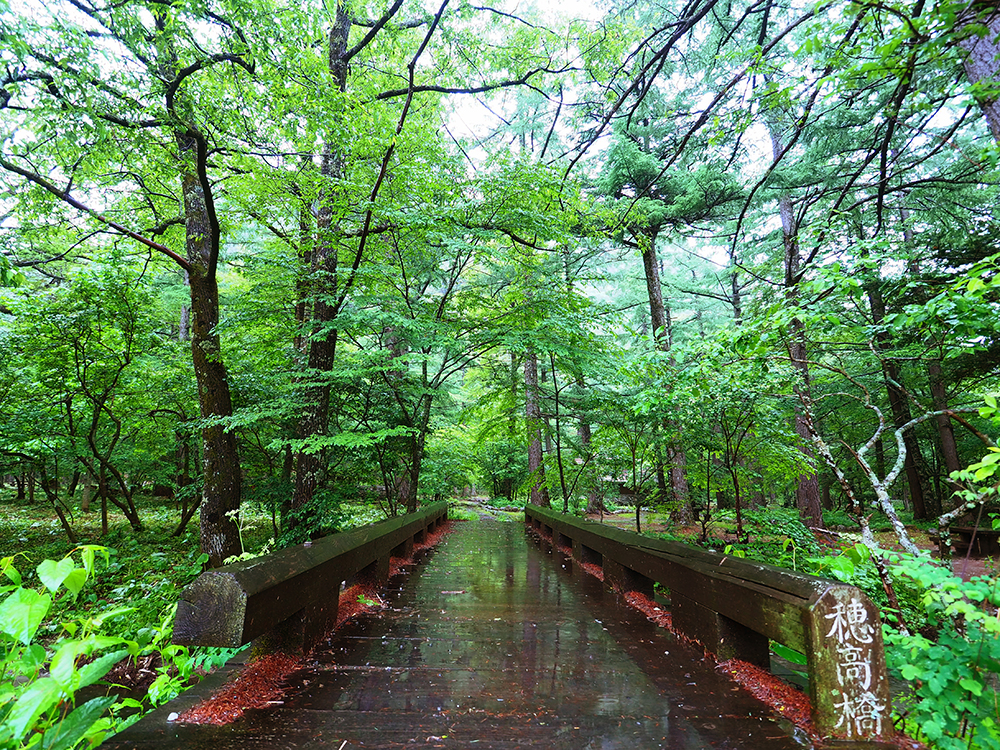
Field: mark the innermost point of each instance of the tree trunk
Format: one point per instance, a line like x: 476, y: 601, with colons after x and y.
x: 322, y: 344
x: 221, y: 469
x: 982, y: 62
x: 659, y: 316
x: 946, y: 433
x: 807, y: 496
x: 73, y: 482
x: 184, y: 320
x: 51, y: 490
x: 899, y: 406
x: 416, y: 460
x: 220, y: 536
x: 657, y: 310
x: 88, y: 492
x: 539, y: 493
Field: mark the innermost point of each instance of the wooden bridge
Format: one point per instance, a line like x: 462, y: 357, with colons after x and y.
x: 498, y: 640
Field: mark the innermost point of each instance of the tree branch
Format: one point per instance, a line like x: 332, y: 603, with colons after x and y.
x: 65, y: 197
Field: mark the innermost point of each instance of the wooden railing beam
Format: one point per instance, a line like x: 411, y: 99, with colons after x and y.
x: 734, y: 607
x: 288, y: 597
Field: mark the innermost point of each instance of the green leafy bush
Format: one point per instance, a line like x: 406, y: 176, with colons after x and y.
x: 44, y: 665
x: 953, y: 660
x: 39, y: 682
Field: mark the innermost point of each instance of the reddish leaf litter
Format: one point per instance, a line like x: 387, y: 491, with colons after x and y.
x: 651, y: 609
x: 257, y: 686
x: 784, y: 699
x: 590, y: 569
x: 261, y: 683
x: 787, y: 701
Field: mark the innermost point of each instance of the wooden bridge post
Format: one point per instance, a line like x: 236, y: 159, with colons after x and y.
x: 720, y: 635
x: 849, y: 683
x: 304, y: 630
x: 624, y: 580
x: 563, y: 542
x: 586, y: 555
x: 404, y: 551
x: 376, y: 574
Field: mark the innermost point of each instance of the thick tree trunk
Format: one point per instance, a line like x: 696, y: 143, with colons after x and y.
x: 946, y: 433
x: 533, y: 413
x: 220, y: 537
x: 221, y: 468
x: 660, y: 319
x: 982, y: 62
x: 184, y: 320
x: 323, y: 257
x: 807, y: 496
x: 657, y: 310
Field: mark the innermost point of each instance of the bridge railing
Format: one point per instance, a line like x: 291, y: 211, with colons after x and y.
x: 733, y: 607
x: 288, y: 600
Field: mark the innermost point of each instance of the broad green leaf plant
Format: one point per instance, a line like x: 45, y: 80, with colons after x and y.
x: 40, y: 679
x: 38, y: 682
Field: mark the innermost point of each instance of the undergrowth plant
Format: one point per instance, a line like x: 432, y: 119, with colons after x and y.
x: 39, y: 682
x: 44, y: 669
x: 951, y: 659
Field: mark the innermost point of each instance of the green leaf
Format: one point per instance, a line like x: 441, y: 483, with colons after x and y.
x: 22, y: 612
x: 94, y: 671
x: 75, y: 726
x: 52, y: 573
x: 842, y: 569
x: 75, y: 580
x: 932, y: 730
x: 63, y: 663
x: 7, y: 566
x: 32, y: 659
x: 43, y: 695
x: 973, y: 686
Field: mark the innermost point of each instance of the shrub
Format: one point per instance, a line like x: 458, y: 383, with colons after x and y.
x: 952, y: 704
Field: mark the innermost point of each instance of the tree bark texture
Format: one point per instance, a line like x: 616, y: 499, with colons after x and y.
x: 220, y: 537
x: 982, y: 62
x: 659, y: 317
x: 322, y: 345
x: 807, y: 496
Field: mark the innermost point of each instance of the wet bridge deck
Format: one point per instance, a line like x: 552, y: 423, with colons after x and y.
x: 493, y: 642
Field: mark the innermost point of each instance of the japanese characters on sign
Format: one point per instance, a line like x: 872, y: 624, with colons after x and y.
x: 860, y: 711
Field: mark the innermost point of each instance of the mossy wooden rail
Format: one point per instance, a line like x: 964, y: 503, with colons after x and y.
x: 288, y: 600
x: 733, y: 606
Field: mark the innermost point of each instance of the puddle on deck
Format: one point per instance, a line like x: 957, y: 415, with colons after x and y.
x: 492, y: 642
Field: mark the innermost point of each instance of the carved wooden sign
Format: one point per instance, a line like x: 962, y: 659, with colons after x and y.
x: 851, y: 698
